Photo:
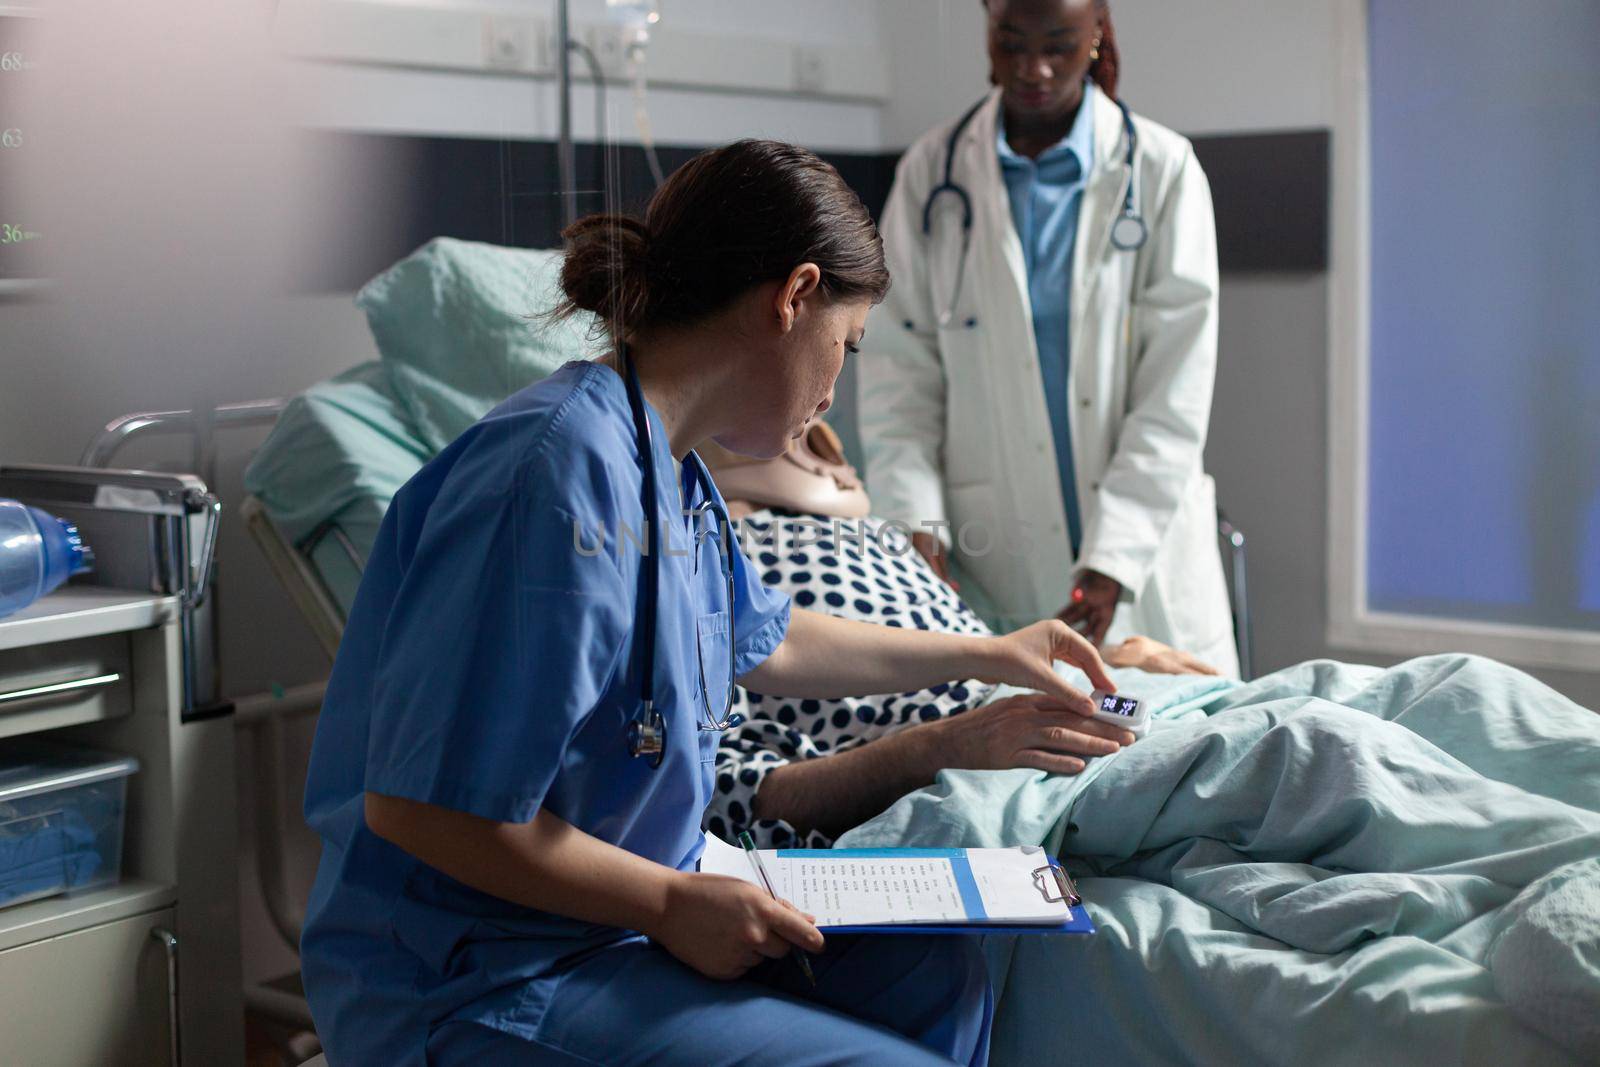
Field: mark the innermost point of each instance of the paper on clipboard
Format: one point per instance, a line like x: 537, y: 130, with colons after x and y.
x: 991, y: 887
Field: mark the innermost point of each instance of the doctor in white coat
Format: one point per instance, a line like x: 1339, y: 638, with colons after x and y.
x: 1035, y: 391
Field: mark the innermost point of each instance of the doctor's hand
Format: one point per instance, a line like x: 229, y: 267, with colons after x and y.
x: 1094, y: 602
x: 722, y: 927
x: 1029, y: 730
x: 932, y: 549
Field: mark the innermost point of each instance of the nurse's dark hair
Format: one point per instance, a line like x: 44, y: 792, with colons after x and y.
x: 729, y: 219
x: 1108, y: 68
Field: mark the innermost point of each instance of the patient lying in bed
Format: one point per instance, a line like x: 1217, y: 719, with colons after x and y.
x: 1332, y: 863
x: 806, y: 525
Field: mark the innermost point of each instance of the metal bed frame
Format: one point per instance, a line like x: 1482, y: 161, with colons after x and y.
x: 1232, y: 538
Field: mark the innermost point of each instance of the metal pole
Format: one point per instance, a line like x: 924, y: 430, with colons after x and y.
x: 564, y: 156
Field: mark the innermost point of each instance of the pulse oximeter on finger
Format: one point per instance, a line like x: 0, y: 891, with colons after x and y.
x: 1129, y: 713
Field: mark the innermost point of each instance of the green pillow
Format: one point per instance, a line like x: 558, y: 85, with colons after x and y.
x: 459, y: 328
x: 460, y: 325
x: 338, y: 445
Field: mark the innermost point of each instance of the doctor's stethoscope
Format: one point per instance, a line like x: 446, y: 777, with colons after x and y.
x: 647, y: 730
x: 1128, y: 233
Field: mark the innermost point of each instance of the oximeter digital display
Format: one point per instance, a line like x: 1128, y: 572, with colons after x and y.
x: 1130, y: 713
x: 1115, y: 705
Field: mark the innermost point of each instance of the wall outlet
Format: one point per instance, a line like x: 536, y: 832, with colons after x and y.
x: 808, y: 70
x: 509, y: 43
x: 605, y: 41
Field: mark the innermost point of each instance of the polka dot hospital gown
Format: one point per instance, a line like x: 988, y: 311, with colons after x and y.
x: 875, y: 577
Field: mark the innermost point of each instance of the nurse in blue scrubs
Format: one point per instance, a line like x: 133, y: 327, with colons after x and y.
x: 503, y: 881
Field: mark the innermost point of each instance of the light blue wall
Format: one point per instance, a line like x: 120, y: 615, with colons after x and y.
x: 1485, y: 413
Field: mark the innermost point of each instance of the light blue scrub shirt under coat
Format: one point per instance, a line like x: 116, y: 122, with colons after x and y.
x: 1045, y: 195
x: 489, y: 667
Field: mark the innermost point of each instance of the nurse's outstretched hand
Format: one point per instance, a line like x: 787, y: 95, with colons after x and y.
x: 1026, y: 658
x: 722, y: 927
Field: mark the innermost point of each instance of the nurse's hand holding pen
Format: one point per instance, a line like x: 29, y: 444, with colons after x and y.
x: 723, y: 926
x: 719, y: 926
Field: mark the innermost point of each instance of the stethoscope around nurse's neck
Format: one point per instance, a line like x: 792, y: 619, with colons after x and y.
x: 647, y: 729
x: 1128, y: 234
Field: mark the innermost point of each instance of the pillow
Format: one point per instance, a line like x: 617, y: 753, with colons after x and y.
x: 459, y: 325
x: 853, y: 577
x: 338, y: 448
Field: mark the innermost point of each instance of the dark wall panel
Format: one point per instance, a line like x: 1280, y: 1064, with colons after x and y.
x: 1271, y: 193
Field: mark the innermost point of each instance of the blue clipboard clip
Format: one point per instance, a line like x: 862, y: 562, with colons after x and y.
x: 1053, y: 873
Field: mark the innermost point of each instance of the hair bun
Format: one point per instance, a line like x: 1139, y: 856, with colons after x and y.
x: 604, y: 271
x: 729, y: 219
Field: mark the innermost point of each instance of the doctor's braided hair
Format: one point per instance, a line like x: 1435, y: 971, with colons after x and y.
x: 1108, y: 68
x: 730, y: 218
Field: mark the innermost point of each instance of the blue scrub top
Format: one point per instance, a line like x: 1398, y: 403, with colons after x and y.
x: 1046, y: 194
x: 488, y: 666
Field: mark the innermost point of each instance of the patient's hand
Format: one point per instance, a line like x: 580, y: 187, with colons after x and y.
x: 1029, y: 730
x: 1148, y: 654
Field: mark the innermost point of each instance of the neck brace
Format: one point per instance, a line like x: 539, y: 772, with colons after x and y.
x: 811, y: 477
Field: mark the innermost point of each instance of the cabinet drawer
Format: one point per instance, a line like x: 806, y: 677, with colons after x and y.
x: 96, y: 996
x: 65, y: 683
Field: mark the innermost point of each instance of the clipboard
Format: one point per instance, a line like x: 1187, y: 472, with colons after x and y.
x: 1051, y: 876
x: 977, y: 891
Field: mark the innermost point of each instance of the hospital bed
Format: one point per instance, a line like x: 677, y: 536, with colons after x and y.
x: 318, y: 487
x: 337, y: 453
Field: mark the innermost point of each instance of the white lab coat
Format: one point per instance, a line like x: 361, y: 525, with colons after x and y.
x: 953, y: 417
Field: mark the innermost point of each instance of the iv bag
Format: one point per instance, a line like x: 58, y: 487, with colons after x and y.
x: 634, y: 13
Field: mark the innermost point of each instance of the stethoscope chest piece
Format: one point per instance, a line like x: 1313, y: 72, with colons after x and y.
x: 1129, y: 232
x: 647, y: 738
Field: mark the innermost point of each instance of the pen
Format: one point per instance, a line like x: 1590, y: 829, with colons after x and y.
x: 749, y: 844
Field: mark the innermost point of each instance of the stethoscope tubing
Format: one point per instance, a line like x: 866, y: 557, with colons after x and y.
x: 647, y: 729
x: 1128, y: 234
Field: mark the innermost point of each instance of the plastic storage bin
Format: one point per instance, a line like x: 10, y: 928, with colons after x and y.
x: 60, y: 819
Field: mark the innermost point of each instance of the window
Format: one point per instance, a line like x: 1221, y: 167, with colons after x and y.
x: 1476, y: 480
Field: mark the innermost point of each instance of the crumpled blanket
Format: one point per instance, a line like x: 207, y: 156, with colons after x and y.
x: 1331, y: 864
